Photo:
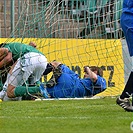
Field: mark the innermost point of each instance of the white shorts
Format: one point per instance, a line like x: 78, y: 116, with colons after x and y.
x: 30, y: 64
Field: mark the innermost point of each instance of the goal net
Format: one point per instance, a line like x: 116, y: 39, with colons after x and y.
x: 77, y: 33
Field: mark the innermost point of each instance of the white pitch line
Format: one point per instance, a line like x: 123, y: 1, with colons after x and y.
x: 72, y: 98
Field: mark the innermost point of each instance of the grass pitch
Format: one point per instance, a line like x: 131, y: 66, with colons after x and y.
x: 59, y: 116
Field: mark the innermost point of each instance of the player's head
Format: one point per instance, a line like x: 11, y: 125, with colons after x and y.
x: 33, y: 44
x: 96, y: 70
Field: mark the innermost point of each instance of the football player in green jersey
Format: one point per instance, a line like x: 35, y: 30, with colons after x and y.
x: 28, y: 61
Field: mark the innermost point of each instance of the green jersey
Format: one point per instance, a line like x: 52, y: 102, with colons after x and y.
x: 19, y: 49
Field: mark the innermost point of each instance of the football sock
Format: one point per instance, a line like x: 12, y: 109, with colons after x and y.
x: 23, y: 90
x: 128, y: 90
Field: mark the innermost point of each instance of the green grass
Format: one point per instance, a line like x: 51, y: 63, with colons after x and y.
x: 70, y: 116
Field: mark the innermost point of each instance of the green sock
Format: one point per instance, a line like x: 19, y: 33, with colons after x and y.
x: 23, y: 90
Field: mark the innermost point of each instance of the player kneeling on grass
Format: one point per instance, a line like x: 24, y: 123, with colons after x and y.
x: 6, y: 61
x: 29, y: 62
x: 65, y: 83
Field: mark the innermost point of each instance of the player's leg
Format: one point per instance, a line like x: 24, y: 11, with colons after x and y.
x: 4, y: 88
x: 21, y: 72
x: 55, y: 67
x: 128, y: 90
x: 3, y: 76
x: 56, y: 74
x: 127, y: 26
x: 57, y: 71
x: 6, y: 98
x: 48, y: 69
x: 123, y: 100
x: 37, y: 65
x: 64, y: 86
x: 41, y: 66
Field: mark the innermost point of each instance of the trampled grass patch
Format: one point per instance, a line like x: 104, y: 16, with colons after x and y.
x: 64, y: 116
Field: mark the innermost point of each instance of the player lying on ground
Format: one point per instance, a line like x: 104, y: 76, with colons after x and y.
x: 66, y: 84
x: 29, y: 62
x: 127, y: 27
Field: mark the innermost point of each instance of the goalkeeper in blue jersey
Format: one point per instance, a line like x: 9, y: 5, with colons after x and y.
x: 66, y: 84
x: 127, y: 27
x: 28, y: 61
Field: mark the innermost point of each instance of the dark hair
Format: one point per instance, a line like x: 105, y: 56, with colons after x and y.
x: 98, y: 69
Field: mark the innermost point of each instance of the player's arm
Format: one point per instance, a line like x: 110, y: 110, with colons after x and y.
x: 96, y: 77
x: 90, y: 74
x: 5, y: 59
x: 3, y: 53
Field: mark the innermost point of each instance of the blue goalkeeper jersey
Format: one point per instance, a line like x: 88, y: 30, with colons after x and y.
x: 69, y: 85
x: 127, y: 23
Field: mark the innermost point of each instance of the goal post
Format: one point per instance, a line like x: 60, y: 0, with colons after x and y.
x: 77, y: 33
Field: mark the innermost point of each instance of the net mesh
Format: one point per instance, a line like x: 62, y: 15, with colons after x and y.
x: 77, y: 33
